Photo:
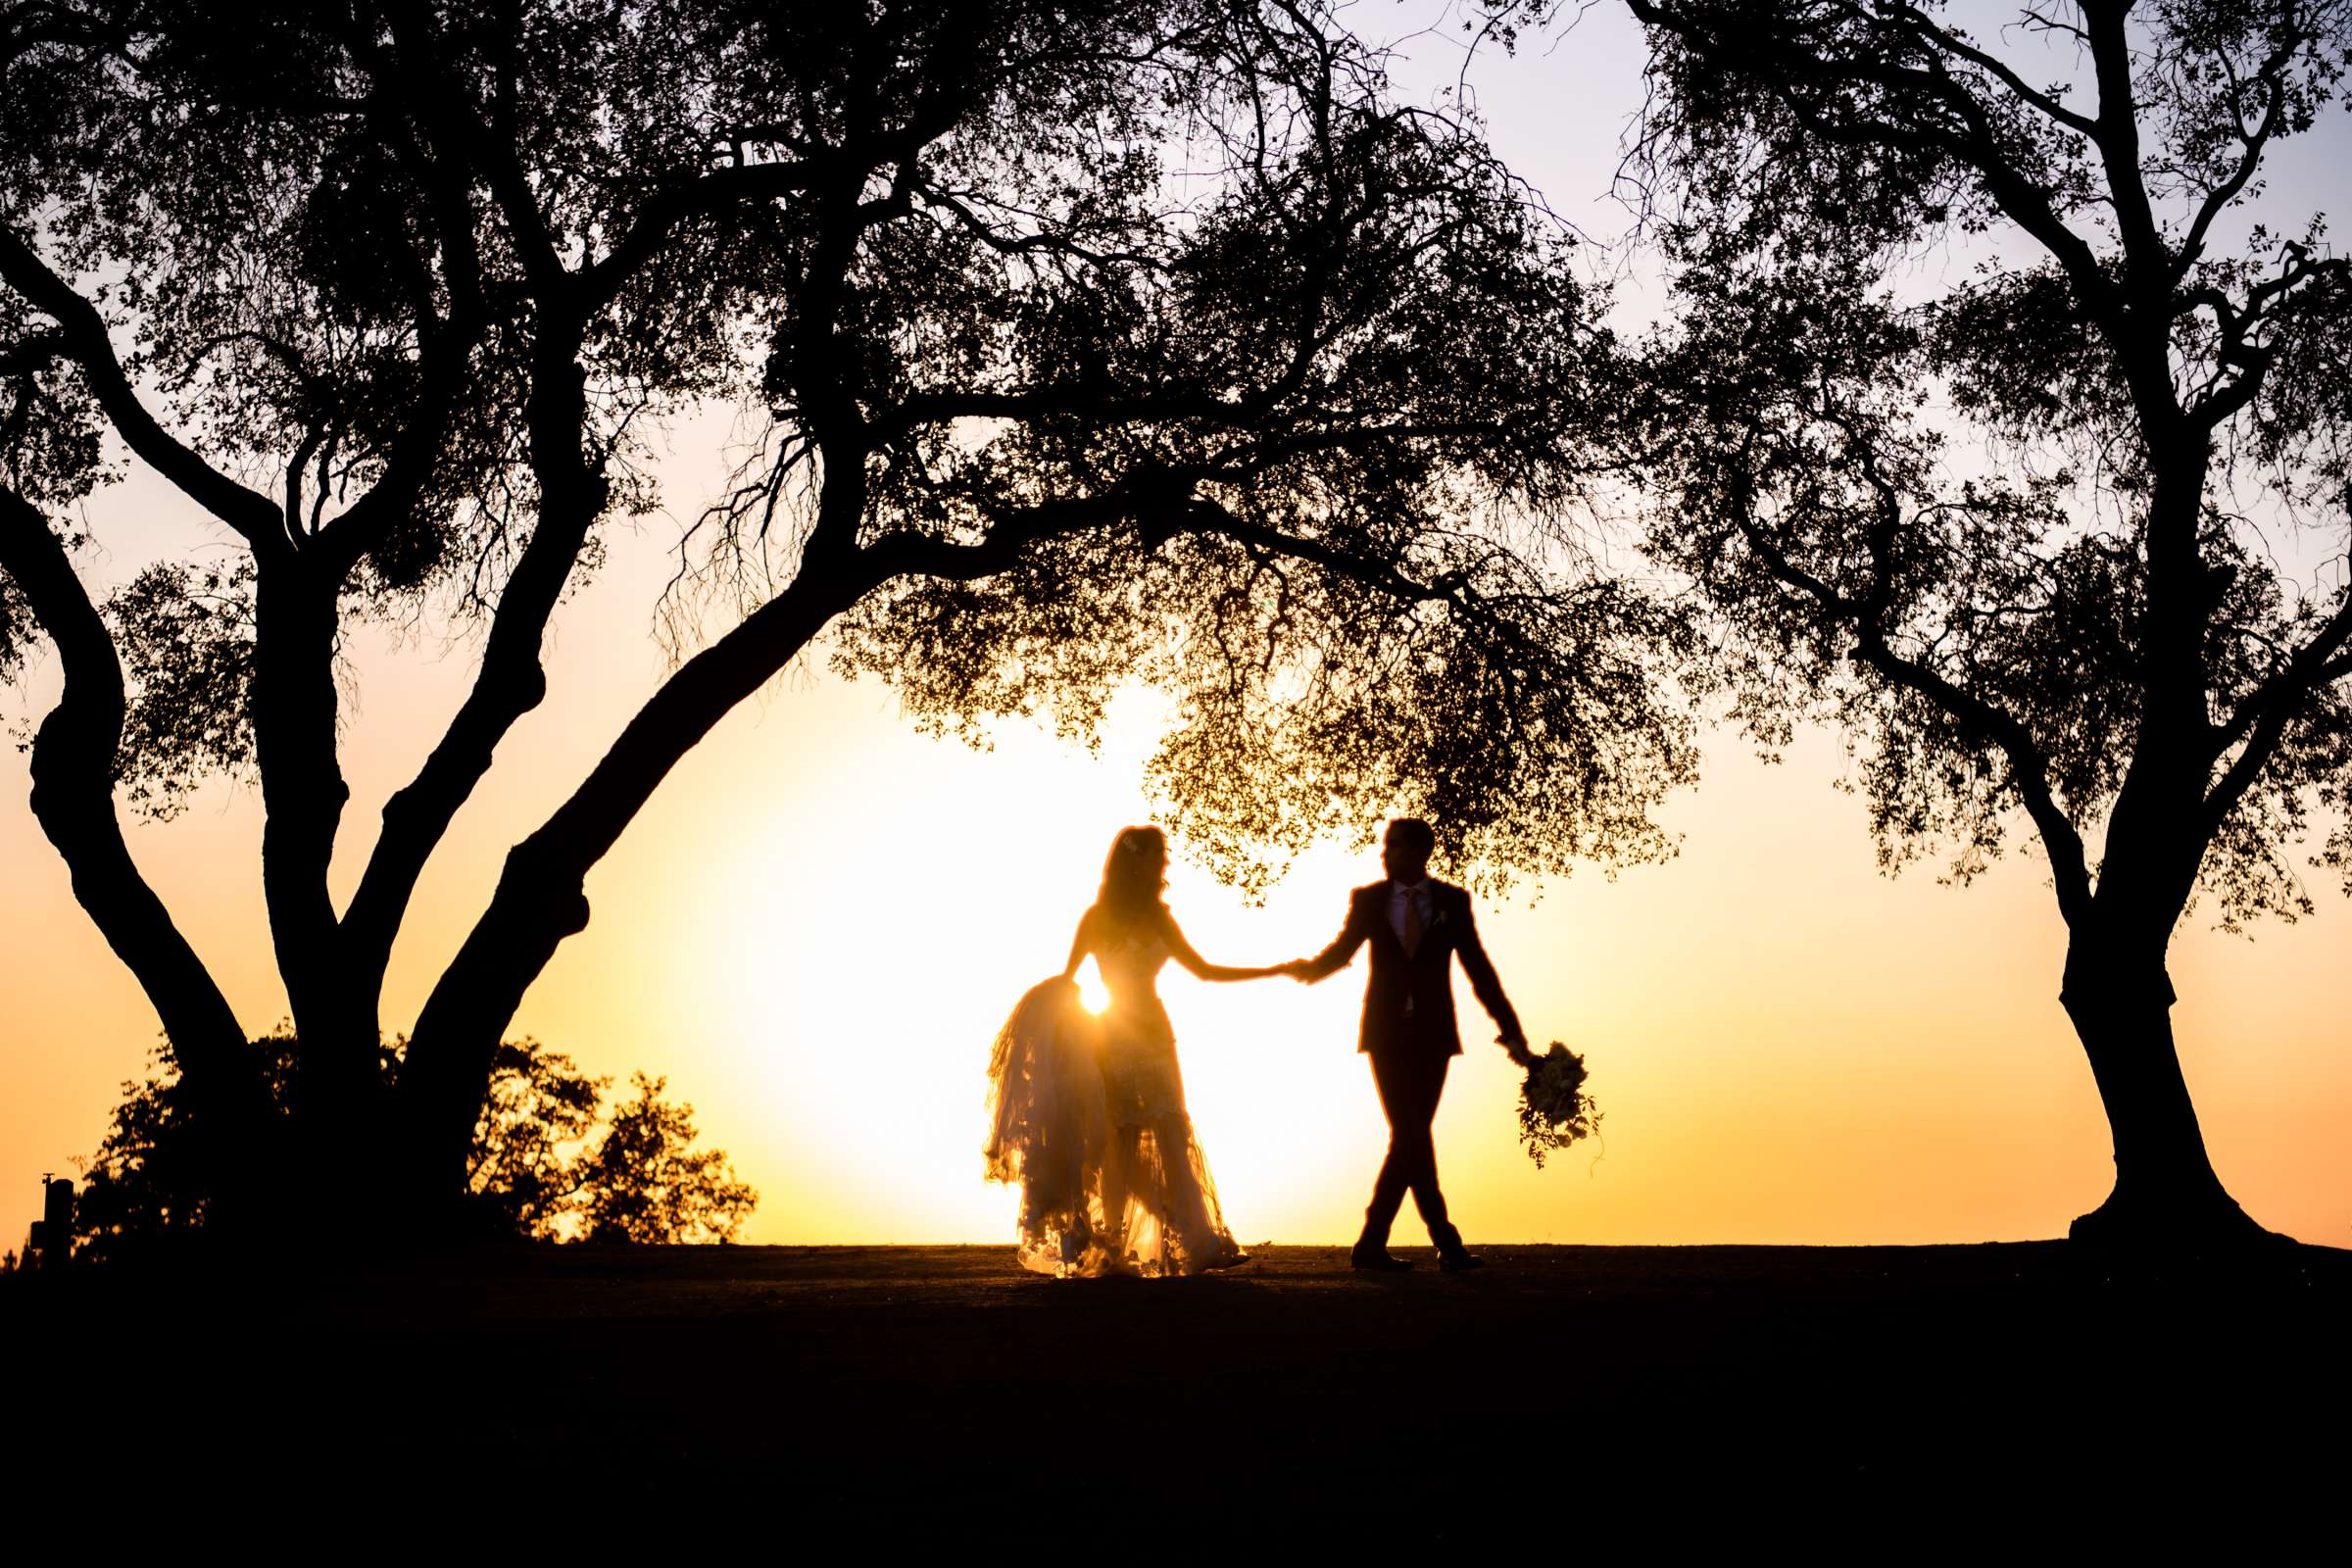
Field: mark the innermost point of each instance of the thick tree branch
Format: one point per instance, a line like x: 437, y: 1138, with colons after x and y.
x: 510, y: 684
x: 674, y: 206
x: 539, y: 900
x: 73, y: 754
x: 512, y: 681
x: 2029, y: 767
x: 294, y: 709
x: 2261, y: 720
x: 249, y: 512
x: 2146, y: 263
x: 572, y: 496
x: 1944, y: 40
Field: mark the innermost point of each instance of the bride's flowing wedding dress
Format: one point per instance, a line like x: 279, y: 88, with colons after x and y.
x: 1089, y: 1118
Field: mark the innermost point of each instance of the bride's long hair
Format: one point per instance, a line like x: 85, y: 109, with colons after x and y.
x: 1134, y: 875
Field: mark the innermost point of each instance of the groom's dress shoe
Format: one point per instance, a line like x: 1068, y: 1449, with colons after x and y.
x: 1377, y: 1259
x: 1458, y: 1261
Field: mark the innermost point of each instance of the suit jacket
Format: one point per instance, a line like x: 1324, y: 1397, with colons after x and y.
x: 1424, y: 978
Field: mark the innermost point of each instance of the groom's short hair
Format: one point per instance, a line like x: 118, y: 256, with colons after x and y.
x: 1412, y: 830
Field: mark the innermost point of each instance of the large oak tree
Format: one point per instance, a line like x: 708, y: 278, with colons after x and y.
x: 2058, y: 545
x: 1101, y: 341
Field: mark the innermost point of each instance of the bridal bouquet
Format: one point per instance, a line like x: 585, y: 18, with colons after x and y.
x: 1554, y: 1111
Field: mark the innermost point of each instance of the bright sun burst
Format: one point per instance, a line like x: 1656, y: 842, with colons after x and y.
x: 1092, y: 995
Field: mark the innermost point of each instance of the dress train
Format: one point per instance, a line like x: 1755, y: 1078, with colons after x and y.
x: 1087, y: 1117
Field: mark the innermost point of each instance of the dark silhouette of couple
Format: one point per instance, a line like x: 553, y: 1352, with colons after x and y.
x: 1089, y: 1115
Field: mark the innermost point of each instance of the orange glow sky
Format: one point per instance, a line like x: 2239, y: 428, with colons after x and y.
x: 819, y: 922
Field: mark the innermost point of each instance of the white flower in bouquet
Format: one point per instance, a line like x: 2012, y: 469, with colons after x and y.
x: 1554, y: 1111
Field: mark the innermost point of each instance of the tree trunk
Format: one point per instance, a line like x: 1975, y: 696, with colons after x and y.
x: 541, y: 897
x: 295, y: 706
x: 2165, y: 1194
x: 535, y: 908
x: 74, y: 758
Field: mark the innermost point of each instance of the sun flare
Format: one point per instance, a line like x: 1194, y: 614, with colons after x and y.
x: 1092, y: 995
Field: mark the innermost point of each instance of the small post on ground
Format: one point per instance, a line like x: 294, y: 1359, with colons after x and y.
x: 52, y: 1238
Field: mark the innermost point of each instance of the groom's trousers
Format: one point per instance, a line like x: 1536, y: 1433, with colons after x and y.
x: 1409, y: 1085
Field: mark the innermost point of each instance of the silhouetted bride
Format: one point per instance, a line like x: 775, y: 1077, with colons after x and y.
x: 1089, y: 1112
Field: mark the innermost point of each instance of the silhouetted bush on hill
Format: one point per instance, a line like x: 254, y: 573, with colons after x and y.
x: 546, y: 1164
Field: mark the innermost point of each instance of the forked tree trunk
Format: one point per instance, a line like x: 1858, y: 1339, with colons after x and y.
x: 2166, y: 1192
x: 541, y: 897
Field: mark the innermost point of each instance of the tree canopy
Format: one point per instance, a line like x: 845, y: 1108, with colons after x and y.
x: 1101, y: 341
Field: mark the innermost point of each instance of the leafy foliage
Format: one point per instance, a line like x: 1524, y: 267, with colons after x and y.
x: 186, y: 640
x: 542, y: 1168
x: 644, y: 1183
x: 1339, y: 391
x: 525, y: 1168
x: 145, y: 1188
x: 2015, y: 537
x: 539, y: 1169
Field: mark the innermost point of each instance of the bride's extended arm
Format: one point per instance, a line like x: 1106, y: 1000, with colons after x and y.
x: 1078, y: 946
x: 1182, y: 951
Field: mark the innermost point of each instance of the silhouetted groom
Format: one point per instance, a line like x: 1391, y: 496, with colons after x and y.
x: 1415, y: 926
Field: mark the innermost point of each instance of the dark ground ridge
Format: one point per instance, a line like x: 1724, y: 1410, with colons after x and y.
x: 916, y: 1390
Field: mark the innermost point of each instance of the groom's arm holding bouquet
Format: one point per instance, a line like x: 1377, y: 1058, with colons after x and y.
x: 1486, y: 986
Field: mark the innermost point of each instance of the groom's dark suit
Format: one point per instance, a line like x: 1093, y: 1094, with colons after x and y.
x: 1409, y: 1033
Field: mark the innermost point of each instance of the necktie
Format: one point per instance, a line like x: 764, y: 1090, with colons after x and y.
x: 1412, y: 923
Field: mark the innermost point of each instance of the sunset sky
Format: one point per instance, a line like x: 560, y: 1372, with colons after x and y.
x: 819, y: 922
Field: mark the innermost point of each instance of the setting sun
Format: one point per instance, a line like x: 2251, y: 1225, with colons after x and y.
x: 1092, y: 995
